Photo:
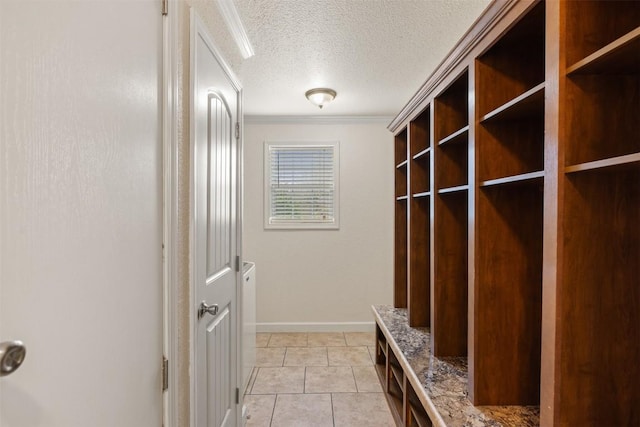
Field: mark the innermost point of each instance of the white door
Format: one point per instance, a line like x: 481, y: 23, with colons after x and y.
x: 215, y: 155
x: 80, y: 212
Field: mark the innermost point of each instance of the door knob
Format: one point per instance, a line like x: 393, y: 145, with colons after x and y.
x: 204, y: 308
x: 12, y: 354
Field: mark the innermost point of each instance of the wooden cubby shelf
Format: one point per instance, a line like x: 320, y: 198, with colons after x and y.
x: 517, y: 238
x: 451, y: 190
x: 629, y: 159
x: 419, y: 224
x: 619, y: 56
x: 457, y: 136
x: 401, y: 198
x: 598, y: 245
x: 450, y: 207
x: 516, y: 179
x: 402, y: 164
x: 423, y: 194
x: 525, y: 105
x: 422, y: 153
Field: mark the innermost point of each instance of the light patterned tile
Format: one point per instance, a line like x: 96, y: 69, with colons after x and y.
x: 252, y: 379
x: 361, y: 409
x: 303, y: 410
x: 288, y: 339
x: 349, y: 356
x: 262, y: 339
x: 366, y: 379
x: 372, y: 353
x: 279, y: 380
x: 327, y: 339
x: 306, y: 356
x: 270, y: 356
x: 360, y: 338
x: 260, y: 409
x: 327, y: 379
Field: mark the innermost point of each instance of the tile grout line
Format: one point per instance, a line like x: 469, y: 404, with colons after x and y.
x: 333, y: 414
x: 355, y: 381
x: 273, y: 410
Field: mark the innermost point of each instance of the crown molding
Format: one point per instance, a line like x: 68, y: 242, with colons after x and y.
x: 478, y: 30
x: 316, y: 120
x: 232, y: 19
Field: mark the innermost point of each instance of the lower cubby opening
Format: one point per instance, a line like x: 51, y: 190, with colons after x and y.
x: 504, y: 363
x: 416, y: 414
x: 419, y: 278
x: 450, y: 306
x: 599, y: 300
x: 395, y: 387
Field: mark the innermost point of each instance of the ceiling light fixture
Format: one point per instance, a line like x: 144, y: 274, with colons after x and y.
x: 320, y: 96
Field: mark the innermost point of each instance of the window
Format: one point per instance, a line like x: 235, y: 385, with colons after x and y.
x: 301, y: 185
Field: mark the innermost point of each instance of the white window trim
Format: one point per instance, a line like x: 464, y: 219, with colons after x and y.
x: 267, y: 187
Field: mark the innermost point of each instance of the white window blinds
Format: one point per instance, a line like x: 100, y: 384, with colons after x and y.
x: 302, y: 185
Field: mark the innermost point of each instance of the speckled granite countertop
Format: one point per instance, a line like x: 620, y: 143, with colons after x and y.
x: 441, y: 383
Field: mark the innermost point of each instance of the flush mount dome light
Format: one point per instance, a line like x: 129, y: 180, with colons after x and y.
x: 320, y: 96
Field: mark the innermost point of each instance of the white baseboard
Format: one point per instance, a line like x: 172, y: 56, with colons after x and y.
x: 317, y: 327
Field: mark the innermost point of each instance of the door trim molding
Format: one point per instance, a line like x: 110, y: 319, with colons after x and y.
x: 170, y: 85
x: 197, y: 24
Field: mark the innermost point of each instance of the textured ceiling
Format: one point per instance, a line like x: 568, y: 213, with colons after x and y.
x: 374, y: 53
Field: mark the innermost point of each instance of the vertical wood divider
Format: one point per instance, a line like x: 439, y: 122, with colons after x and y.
x: 471, y: 334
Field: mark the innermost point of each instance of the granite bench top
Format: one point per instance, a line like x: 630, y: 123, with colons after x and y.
x: 441, y: 383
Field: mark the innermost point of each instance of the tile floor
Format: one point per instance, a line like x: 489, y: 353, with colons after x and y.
x: 316, y: 380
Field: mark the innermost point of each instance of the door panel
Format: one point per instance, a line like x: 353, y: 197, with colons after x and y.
x: 215, y: 155
x: 219, y: 138
x: 80, y: 212
x: 219, y: 368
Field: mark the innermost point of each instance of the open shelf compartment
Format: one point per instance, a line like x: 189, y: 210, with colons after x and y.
x: 505, y: 360
x: 599, y: 299
x: 514, y: 64
x: 450, y: 306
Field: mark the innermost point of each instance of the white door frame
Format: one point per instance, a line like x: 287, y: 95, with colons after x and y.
x: 171, y: 281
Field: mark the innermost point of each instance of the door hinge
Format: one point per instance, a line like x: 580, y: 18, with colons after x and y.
x: 237, y: 263
x: 237, y: 396
x: 165, y: 7
x: 165, y: 373
x: 237, y: 130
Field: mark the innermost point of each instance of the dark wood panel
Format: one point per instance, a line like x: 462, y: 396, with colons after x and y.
x: 421, y: 175
x: 591, y: 25
x: 420, y: 132
x: 452, y: 167
x: 621, y: 56
x: 452, y: 108
x: 512, y: 147
x: 400, y: 147
x: 419, y: 277
x: 401, y: 181
x: 599, y: 300
x: 449, y: 331
x: 508, y: 292
x: 602, y: 117
x: 513, y: 65
x: 400, y: 255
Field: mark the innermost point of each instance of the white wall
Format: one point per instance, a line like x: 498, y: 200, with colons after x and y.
x: 324, y: 279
